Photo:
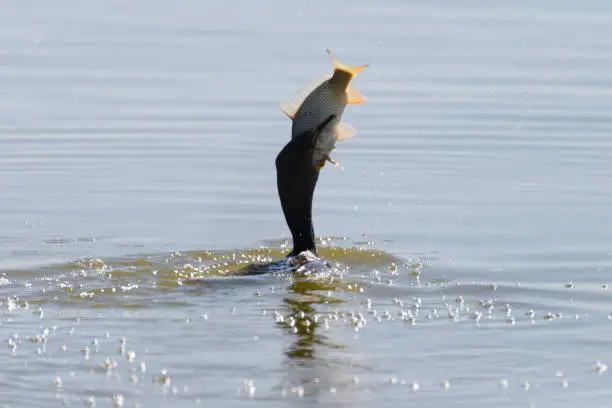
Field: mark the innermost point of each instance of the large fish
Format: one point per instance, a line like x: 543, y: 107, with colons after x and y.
x: 319, y: 99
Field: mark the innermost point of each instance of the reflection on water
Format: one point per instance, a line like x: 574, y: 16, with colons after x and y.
x: 308, y: 310
x: 303, y: 320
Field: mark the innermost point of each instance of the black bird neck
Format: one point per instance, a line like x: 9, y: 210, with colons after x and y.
x: 296, y: 179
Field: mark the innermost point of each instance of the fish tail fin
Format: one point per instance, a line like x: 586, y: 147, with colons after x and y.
x: 353, y: 70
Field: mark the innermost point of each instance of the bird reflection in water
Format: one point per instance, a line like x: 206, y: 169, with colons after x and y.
x: 314, y: 363
x: 303, y: 320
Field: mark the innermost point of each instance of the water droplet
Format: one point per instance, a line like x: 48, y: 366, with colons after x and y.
x: 118, y: 400
x: 600, y: 367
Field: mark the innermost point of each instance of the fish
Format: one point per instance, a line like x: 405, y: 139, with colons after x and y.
x: 320, y: 98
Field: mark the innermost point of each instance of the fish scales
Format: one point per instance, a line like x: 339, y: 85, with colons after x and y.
x: 318, y: 100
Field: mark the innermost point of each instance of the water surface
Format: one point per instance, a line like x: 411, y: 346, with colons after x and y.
x: 470, y: 222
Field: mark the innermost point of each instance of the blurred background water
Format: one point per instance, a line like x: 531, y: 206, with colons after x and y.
x: 137, y: 146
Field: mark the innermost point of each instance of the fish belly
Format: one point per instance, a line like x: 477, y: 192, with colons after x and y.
x: 326, y: 142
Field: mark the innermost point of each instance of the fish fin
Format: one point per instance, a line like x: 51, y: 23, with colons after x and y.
x: 353, y: 70
x: 344, y: 131
x: 335, y: 163
x: 354, y: 96
x: 291, y: 106
x: 288, y: 110
x: 321, y: 164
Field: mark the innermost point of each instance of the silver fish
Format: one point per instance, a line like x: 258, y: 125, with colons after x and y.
x: 324, y: 96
